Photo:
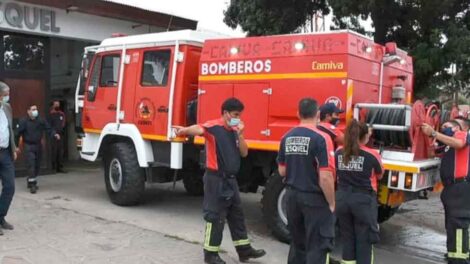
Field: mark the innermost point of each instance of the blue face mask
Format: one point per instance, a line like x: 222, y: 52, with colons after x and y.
x: 234, y: 122
x: 6, y: 99
x: 448, y: 131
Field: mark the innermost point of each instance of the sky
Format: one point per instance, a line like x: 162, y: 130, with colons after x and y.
x: 209, y: 13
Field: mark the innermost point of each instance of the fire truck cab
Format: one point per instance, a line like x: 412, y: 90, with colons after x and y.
x: 132, y: 90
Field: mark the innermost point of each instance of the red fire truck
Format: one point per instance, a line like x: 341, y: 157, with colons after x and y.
x: 133, y: 90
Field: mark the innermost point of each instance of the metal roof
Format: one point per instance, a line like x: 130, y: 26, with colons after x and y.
x: 120, y: 9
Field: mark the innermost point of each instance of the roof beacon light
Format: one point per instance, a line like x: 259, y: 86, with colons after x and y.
x: 299, y: 46
x: 234, y: 50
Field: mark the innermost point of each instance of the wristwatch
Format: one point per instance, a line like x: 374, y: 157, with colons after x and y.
x: 433, y: 134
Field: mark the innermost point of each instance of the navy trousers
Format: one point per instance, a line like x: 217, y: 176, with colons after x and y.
x: 7, y: 177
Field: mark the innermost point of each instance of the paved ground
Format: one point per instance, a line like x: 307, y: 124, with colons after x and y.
x: 71, y: 220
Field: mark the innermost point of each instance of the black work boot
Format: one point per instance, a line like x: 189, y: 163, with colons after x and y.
x: 33, y: 189
x: 5, y: 225
x: 212, y: 258
x: 247, y: 252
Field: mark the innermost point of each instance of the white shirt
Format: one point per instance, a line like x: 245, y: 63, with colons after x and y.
x: 4, y: 130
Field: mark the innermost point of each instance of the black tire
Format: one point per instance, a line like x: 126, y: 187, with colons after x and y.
x: 192, y: 180
x: 131, y: 186
x: 273, y: 189
x: 386, y: 212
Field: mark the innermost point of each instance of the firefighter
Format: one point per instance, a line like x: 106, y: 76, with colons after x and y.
x: 455, y: 176
x: 31, y: 129
x: 306, y: 159
x: 57, y: 121
x: 225, y: 144
x: 356, y: 198
x: 329, y: 119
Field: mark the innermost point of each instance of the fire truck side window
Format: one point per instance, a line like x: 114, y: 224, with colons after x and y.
x: 155, y: 68
x: 94, y: 79
x: 110, y: 70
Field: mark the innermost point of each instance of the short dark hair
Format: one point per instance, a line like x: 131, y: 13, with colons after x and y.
x: 232, y: 104
x: 323, y: 115
x: 308, y: 108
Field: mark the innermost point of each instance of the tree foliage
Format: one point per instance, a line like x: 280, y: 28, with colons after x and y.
x: 436, y: 33
x: 270, y: 17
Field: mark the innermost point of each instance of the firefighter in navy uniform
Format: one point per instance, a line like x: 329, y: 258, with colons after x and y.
x: 455, y: 176
x: 57, y: 121
x: 329, y: 119
x: 224, y: 146
x: 306, y: 159
x: 31, y: 129
x: 357, y: 169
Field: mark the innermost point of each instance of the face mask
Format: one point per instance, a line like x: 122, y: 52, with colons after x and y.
x: 334, y: 121
x: 57, y: 108
x: 448, y: 131
x: 234, y: 122
x: 34, y: 113
x: 6, y: 99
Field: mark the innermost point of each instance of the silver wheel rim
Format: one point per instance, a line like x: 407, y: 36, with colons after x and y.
x: 282, y: 206
x: 115, y: 175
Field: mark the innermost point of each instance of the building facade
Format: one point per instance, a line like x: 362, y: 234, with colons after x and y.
x: 42, y: 43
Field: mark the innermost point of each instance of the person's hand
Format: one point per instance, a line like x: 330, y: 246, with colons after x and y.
x: 15, y: 155
x: 332, y: 208
x: 241, y: 128
x: 57, y: 136
x: 427, y: 129
x: 178, y: 130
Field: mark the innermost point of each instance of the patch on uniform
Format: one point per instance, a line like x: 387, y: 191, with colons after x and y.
x: 355, y: 164
x: 332, y: 153
x: 297, y: 145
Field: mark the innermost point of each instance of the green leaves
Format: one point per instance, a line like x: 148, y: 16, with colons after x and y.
x: 435, y: 32
x: 271, y: 17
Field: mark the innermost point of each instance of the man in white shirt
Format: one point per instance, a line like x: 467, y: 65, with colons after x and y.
x: 7, y: 156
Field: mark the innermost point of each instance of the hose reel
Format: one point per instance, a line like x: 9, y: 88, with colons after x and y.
x: 398, y: 127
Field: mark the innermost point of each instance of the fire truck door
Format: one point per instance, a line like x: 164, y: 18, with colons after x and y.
x: 211, y: 97
x: 255, y: 97
x: 101, y: 94
x: 152, y: 92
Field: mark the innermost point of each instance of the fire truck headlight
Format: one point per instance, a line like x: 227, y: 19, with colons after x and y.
x: 234, y: 50
x: 299, y: 46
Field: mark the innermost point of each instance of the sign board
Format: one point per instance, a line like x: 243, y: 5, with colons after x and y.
x: 27, y: 18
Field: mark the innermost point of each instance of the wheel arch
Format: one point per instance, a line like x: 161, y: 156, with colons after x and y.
x: 113, y: 133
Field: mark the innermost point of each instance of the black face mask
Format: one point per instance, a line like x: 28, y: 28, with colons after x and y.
x: 334, y: 121
x: 57, y: 108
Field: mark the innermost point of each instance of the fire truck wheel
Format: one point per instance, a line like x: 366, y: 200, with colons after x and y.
x: 192, y: 181
x: 274, y: 207
x: 124, y: 178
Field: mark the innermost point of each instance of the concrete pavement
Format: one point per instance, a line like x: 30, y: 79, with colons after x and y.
x: 71, y: 220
